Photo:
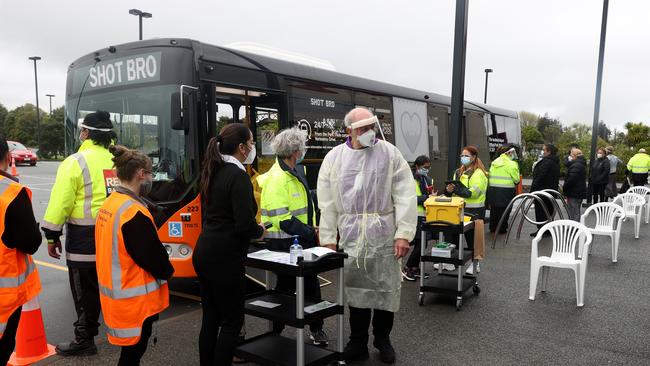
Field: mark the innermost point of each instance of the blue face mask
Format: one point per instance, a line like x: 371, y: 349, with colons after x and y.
x: 423, y: 171
x: 465, y: 160
x: 302, y: 157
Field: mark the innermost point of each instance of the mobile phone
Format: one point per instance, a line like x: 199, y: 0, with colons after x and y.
x: 267, y: 225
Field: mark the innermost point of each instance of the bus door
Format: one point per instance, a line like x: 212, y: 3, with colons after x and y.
x: 261, y: 111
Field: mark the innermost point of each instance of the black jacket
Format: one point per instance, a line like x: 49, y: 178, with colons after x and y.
x: 424, y: 181
x: 600, y: 171
x: 21, y: 229
x: 546, y: 174
x: 575, y: 184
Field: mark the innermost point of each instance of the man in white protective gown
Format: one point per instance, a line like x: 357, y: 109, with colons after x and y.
x: 365, y: 190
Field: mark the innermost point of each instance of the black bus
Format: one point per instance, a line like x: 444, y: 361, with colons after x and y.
x: 167, y: 97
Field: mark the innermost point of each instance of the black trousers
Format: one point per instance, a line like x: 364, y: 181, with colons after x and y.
x: 8, y: 340
x: 496, y: 213
x: 85, y: 294
x: 414, y: 259
x: 287, y: 284
x: 639, y: 179
x: 598, y: 193
x: 539, y: 211
x: 382, y: 324
x: 131, y: 355
x: 223, y: 290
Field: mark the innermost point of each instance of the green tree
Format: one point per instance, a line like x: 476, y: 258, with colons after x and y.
x: 3, y: 117
x: 20, y: 125
x: 531, y: 137
x: 52, y: 135
x: 603, y: 131
x: 637, y: 134
x: 550, y: 128
x: 528, y: 119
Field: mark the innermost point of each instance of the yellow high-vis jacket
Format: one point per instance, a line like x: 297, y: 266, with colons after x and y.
x: 80, y: 187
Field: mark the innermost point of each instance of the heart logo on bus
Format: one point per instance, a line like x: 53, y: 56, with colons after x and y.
x: 411, y: 125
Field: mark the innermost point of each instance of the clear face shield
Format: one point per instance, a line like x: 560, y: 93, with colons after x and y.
x: 513, y: 154
x: 367, y: 138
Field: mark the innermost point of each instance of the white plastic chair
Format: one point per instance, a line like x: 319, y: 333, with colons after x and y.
x: 609, y: 219
x: 633, y: 207
x: 645, y: 193
x: 567, y: 235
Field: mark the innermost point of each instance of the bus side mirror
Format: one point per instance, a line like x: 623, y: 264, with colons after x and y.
x: 182, y: 110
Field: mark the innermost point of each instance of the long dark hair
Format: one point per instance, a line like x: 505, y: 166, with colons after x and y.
x: 226, y: 142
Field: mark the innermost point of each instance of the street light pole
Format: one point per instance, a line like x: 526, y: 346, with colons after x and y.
x: 599, y: 83
x: 487, y: 71
x: 140, y: 14
x: 38, y: 114
x: 457, y: 86
x: 50, y: 96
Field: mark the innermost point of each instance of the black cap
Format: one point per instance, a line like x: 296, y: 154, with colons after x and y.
x: 98, y: 120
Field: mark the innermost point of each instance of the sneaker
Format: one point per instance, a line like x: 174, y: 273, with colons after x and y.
x: 319, y: 338
x: 470, y: 269
x: 78, y: 347
x: 386, y: 350
x: 445, y: 266
x: 408, y: 274
x: 426, y: 275
x: 355, y: 352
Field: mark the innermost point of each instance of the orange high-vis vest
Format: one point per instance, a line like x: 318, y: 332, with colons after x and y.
x: 19, y: 281
x: 128, y: 293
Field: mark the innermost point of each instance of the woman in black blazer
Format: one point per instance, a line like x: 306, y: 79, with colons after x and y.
x: 229, y: 224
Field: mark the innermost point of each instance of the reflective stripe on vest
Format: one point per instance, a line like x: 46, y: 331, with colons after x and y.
x: 80, y: 257
x: 125, y: 332
x: 117, y: 292
x: 88, y: 193
x: 13, y: 282
x: 278, y: 235
x: 501, y: 181
x: 3, y: 326
x: 283, y: 211
x: 474, y: 205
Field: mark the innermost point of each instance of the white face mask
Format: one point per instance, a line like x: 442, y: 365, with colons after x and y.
x: 367, y: 139
x: 251, y: 156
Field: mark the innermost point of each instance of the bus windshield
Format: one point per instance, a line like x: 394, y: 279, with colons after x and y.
x: 141, y: 120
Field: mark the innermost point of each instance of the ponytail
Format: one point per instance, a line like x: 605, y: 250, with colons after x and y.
x: 226, y: 142
x: 211, y: 160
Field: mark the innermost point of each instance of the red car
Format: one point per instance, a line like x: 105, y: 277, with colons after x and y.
x: 21, y: 154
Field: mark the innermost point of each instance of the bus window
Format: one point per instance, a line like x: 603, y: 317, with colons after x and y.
x: 477, y: 135
x: 267, y: 125
x: 224, y: 115
x: 438, y: 132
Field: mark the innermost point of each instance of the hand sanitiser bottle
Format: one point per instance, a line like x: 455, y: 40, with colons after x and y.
x: 295, y: 251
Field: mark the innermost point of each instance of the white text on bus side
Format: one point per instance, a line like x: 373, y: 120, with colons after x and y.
x: 139, y: 68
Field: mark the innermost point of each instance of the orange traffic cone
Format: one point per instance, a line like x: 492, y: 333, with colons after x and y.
x: 14, y: 171
x: 31, y: 344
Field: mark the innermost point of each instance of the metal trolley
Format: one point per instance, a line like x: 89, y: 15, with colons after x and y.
x: 453, y: 283
x: 273, y: 349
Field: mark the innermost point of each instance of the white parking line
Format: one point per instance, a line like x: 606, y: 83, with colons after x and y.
x: 35, y: 177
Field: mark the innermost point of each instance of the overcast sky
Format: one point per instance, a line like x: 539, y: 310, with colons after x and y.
x: 543, y: 52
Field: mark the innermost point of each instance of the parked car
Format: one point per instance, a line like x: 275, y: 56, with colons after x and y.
x: 21, y: 154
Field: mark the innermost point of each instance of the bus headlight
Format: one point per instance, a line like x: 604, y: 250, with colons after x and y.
x: 184, y: 250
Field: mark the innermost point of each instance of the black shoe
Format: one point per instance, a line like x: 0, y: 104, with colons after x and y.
x: 355, y: 352
x: 386, y: 350
x: 78, y: 347
x: 408, y: 274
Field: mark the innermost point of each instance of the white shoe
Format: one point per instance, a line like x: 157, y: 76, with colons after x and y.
x: 445, y: 266
x: 470, y: 269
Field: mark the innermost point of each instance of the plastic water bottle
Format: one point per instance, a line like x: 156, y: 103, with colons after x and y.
x: 295, y: 251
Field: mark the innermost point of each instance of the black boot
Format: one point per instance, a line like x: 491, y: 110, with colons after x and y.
x: 355, y: 351
x: 386, y: 350
x: 78, y: 347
